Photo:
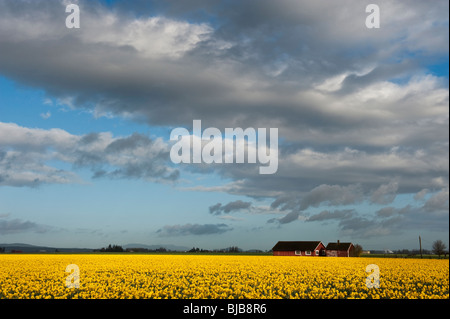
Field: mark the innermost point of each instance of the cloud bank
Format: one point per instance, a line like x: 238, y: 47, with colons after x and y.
x: 362, y: 117
x: 25, y: 155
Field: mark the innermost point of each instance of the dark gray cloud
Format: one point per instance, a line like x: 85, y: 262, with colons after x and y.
x: 150, y: 160
x: 390, y: 221
x: 385, y: 194
x: 15, y: 226
x: 172, y: 73
x: 439, y: 202
x: 386, y: 212
x: 326, y: 215
x: 421, y: 194
x: 332, y: 195
x: 322, y: 195
x: 430, y: 215
x: 362, y: 227
x: 237, y: 205
x: 286, y: 219
x: 193, y: 229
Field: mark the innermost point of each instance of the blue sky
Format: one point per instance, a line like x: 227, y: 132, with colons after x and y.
x: 86, y: 116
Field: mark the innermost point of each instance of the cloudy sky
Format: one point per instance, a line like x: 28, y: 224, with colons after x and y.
x: 86, y: 115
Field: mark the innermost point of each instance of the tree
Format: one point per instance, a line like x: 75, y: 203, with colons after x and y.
x: 439, y: 247
x: 113, y: 248
x: 357, y: 250
x: 232, y: 249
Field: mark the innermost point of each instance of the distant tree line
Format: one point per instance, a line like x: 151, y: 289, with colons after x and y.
x: 231, y: 249
x: 412, y: 252
x: 119, y: 249
x: 113, y: 248
x: 438, y: 248
x: 196, y: 250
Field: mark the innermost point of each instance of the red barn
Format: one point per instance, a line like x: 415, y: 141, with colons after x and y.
x: 299, y: 248
x: 340, y: 249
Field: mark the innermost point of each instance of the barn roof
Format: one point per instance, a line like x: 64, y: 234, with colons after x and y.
x: 296, y: 245
x: 340, y: 246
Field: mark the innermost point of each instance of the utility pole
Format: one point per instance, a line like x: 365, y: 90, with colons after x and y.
x: 420, y: 244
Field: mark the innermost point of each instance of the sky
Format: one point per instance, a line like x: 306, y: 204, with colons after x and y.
x: 361, y: 113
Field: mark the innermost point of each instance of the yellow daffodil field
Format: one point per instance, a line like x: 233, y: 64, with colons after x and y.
x: 111, y: 276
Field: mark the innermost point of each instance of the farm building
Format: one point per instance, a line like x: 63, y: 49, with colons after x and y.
x: 299, y: 248
x: 339, y: 249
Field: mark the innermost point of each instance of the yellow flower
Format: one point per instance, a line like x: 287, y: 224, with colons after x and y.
x: 219, y: 276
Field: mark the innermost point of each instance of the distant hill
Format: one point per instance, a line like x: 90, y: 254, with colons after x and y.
x: 16, y: 244
x: 27, y: 248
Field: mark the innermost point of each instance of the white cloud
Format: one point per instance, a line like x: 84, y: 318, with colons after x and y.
x: 12, y: 134
x: 46, y: 115
x: 154, y: 37
x: 25, y: 154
